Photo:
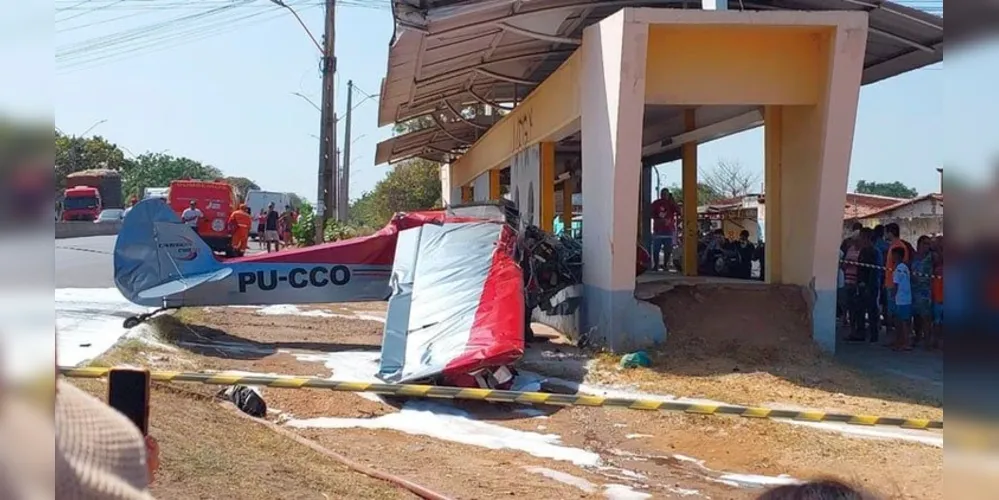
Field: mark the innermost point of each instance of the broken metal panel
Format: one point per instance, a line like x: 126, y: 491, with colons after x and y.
x: 464, y: 295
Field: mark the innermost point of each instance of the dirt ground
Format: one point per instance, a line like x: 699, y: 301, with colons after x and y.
x: 645, y: 450
x: 757, y: 350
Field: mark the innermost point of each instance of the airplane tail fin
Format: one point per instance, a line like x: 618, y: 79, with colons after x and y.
x: 156, y: 255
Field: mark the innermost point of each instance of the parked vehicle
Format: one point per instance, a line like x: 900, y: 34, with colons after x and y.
x: 258, y: 200
x: 110, y: 215
x: 155, y: 192
x: 216, y: 200
x: 81, y: 203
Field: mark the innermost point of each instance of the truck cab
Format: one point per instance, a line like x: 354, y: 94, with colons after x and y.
x: 81, y: 203
x: 216, y: 200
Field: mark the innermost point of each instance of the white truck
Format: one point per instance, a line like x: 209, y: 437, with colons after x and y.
x: 259, y: 200
x: 155, y: 192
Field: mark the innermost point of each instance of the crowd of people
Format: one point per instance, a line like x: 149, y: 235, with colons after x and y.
x: 274, y: 229
x: 717, y: 255
x: 886, y: 284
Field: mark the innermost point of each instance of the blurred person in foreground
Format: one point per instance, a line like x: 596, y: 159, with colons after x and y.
x: 826, y: 489
x: 99, y: 453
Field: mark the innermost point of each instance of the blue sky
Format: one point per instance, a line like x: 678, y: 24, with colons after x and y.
x: 226, y: 98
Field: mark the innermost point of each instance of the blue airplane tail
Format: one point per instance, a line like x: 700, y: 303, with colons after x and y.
x: 157, y: 256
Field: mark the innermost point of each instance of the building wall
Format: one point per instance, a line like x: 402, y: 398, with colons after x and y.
x: 525, y: 179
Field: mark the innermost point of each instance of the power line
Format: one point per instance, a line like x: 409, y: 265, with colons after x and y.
x: 163, y: 41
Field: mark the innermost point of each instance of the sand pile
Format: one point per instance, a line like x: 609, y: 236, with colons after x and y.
x: 744, y: 326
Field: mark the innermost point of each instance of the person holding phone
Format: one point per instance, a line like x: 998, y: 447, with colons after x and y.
x: 99, y: 452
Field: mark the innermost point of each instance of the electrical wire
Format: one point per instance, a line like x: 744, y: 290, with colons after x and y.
x: 134, y: 34
x: 163, y: 41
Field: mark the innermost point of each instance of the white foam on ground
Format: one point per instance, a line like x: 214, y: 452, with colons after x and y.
x: 622, y: 492
x: 754, y: 480
x: 637, y: 436
x: 436, y: 420
x: 564, y: 478
x: 291, y: 310
x: 89, y: 322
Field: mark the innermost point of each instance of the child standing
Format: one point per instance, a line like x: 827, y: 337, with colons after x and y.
x: 902, y: 291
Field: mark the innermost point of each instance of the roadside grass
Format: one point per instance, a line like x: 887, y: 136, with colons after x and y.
x: 209, y: 451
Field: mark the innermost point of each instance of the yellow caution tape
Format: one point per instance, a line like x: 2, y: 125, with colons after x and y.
x: 499, y: 396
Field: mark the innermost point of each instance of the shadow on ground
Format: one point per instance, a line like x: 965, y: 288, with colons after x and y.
x: 211, y: 342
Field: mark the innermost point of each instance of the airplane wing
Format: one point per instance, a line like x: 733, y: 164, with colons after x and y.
x: 457, y: 304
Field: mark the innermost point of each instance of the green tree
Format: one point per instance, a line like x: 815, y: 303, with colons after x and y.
x: 412, y: 185
x: 242, y: 185
x: 297, y: 201
x: 157, y: 170
x: 73, y: 154
x: 894, y: 189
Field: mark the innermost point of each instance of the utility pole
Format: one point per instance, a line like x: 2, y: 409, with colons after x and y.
x: 345, y: 176
x: 327, y: 192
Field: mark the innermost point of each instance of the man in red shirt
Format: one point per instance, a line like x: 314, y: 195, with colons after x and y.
x: 664, y: 212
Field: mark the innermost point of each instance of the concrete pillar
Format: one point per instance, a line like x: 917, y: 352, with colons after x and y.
x: 481, y: 187
x: 817, y: 140
x: 772, y: 147
x: 645, y: 208
x: 546, y: 186
x: 450, y: 195
x: 494, y: 184
x: 568, y: 188
x: 525, y: 179
x: 612, y: 104
x: 689, y: 173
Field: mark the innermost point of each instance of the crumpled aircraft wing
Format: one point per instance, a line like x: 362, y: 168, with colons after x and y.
x: 457, y: 304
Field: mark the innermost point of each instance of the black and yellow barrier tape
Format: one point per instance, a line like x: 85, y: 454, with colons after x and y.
x: 499, y: 396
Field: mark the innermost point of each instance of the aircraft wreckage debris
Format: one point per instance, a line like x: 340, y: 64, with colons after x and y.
x: 500, y: 396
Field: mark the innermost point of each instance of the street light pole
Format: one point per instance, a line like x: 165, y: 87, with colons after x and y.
x: 345, y: 178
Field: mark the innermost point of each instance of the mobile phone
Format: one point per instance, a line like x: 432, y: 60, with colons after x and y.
x: 128, y: 392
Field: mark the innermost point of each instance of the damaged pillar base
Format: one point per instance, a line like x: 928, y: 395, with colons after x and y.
x: 620, y: 322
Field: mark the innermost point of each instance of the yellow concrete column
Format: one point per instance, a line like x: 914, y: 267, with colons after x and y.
x: 773, y: 149
x: 546, y: 186
x: 568, y: 187
x: 494, y: 184
x: 466, y: 194
x: 689, y: 152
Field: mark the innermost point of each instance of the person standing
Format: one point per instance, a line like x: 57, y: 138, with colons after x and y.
x: 261, y: 222
x: 192, y: 215
x: 893, y: 242
x: 285, y: 225
x: 901, y: 299
x: 746, y: 251
x: 922, y: 299
x: 240, y: 222
x: 664, y: 212
x: 936, y: 294
x: 271, y: 229
x: 861, y: 270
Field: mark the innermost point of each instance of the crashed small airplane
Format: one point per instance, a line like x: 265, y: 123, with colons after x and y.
x: 456, y: 296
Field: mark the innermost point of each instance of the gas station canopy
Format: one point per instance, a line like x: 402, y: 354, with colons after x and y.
x: 448, y: 55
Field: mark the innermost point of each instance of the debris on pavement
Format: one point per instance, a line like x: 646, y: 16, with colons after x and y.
x: 636, y: 359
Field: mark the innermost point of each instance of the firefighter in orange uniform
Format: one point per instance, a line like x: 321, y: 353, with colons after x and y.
x: 240, y: 222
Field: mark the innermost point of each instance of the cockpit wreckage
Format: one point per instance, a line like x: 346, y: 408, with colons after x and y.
x: 462, y: 284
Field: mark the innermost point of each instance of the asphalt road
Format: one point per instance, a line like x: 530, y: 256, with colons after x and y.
x: 84, y: 262
x: 87, y: 262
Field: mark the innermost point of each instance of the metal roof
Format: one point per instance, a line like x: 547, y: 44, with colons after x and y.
x: 447, y: 55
